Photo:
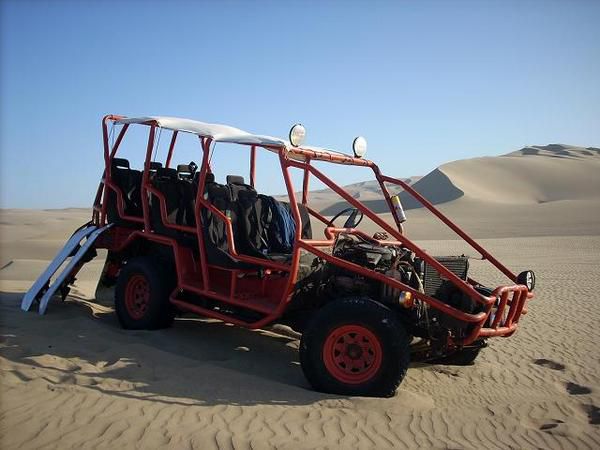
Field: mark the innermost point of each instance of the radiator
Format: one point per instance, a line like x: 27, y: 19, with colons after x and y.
x: 432, y: 280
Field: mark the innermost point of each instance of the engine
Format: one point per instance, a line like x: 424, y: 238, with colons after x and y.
x: 401, y: 264
x: 393, y: 261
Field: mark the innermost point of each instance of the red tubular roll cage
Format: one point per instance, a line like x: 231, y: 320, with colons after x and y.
x: 513, y: 297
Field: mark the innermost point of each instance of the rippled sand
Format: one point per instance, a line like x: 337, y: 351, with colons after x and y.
x: 74, y: 378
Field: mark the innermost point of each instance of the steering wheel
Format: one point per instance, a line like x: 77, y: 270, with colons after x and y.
x: 351, y: 221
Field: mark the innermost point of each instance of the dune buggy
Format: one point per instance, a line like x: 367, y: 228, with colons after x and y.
x: 180, y: 241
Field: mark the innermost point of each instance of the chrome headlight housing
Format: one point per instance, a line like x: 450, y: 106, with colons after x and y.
x: 527, y: 279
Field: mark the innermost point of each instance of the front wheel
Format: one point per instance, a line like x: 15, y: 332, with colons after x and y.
x: 355, y: 346
x: 142, y: 295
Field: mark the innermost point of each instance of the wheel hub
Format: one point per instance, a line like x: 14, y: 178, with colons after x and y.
x: 137, y: 296
x: 352, y: 354
x: 354, y: 351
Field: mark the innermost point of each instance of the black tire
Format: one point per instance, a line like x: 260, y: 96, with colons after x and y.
x: 325, y: 333
x: 148, y: 275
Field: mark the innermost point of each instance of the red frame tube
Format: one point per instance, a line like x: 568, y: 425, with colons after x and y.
x: 171, y: 147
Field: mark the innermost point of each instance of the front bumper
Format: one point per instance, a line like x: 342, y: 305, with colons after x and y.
x: 503, y: 317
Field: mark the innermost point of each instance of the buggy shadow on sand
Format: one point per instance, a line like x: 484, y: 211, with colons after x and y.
x: 179, y: 241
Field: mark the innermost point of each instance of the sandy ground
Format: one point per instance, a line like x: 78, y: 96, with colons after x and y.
x: 74, y: 378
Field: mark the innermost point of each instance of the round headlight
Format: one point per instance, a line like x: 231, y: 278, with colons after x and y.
x: 527, y: 278
x: 359, y: 146
x: 297, y: 135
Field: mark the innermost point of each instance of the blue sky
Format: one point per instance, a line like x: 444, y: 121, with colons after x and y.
x: 425, y: 82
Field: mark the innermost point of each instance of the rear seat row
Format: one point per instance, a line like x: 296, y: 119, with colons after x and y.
x: 130, y: 182
x: 256, y: 218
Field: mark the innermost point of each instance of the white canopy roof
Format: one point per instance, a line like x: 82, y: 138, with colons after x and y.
x: 225, y: 133
x: 217, y: 132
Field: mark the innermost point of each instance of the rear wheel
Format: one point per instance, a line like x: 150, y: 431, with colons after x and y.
x: 355, y: 346
x: 142, y: 295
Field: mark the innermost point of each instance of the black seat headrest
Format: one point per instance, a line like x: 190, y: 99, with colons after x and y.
x: 155, y: 165
x: 187, y: 171
x: 166, y: 172
x: 184, y: 168
x: 235, y: 179
x: 120, y: 162
x: 216, y: 190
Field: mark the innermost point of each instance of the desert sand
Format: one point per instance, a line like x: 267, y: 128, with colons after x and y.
x: 75, y: 379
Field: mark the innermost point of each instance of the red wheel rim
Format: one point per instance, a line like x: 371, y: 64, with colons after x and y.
x: 352, y: 354
x: 137, y: 296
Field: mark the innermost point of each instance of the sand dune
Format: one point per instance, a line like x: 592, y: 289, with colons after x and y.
x: 75, y: 379
x: 531, y: 175
x: 328, y: 202
x: 551, y: 173
x: 536, y: 191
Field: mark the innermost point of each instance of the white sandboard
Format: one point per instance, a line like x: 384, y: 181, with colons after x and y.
x: 63, y: 254
x: 70, y: 266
